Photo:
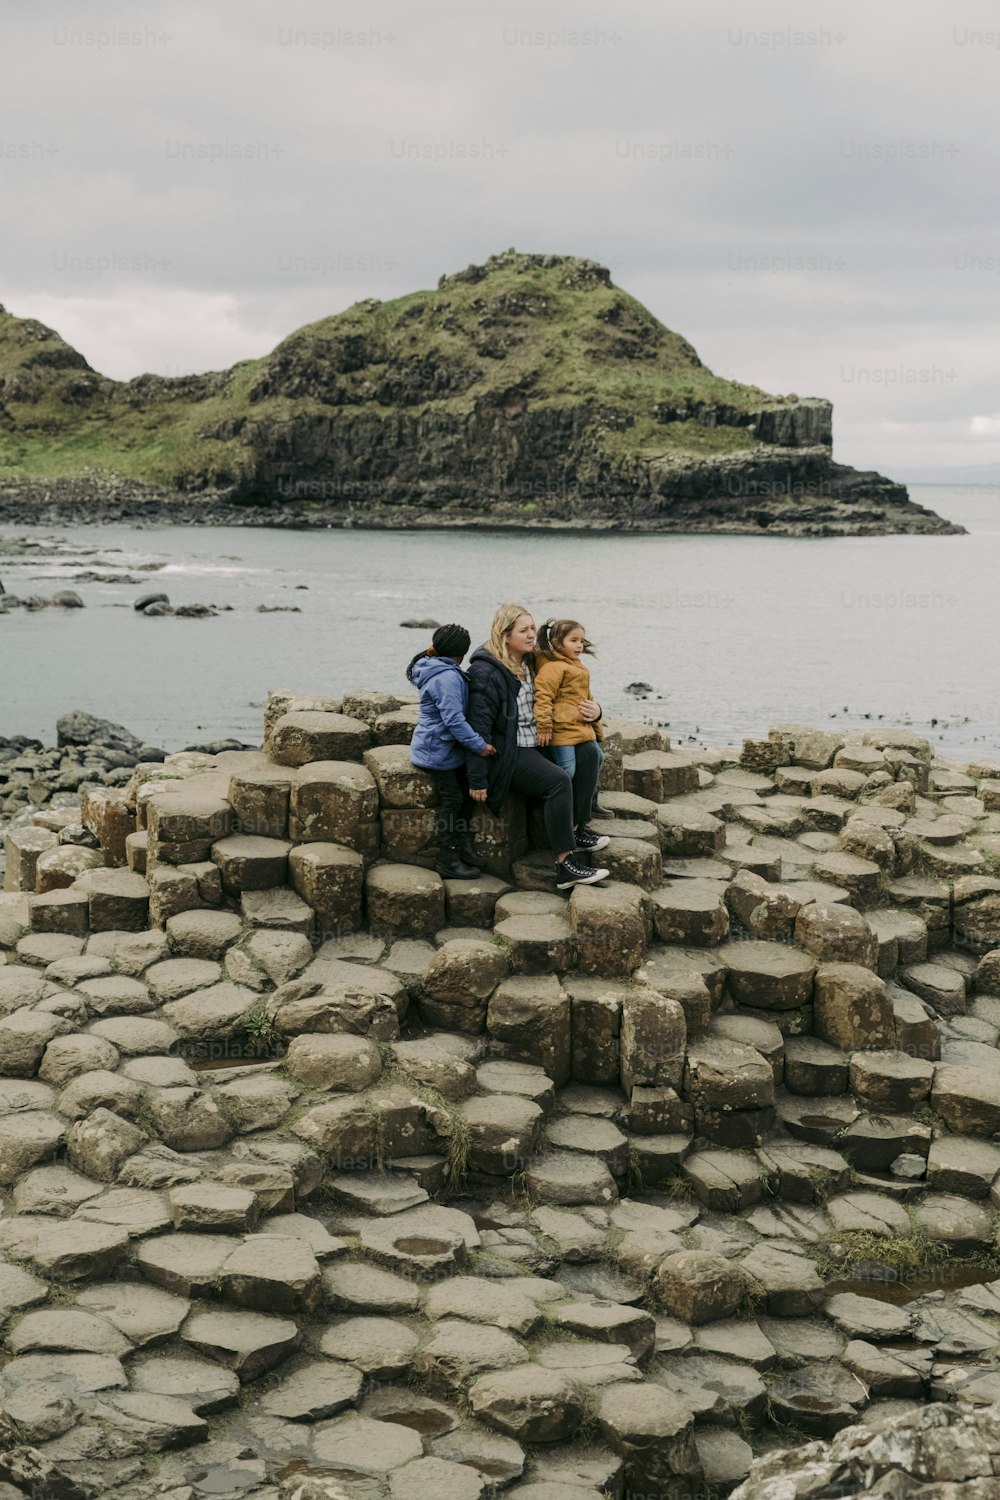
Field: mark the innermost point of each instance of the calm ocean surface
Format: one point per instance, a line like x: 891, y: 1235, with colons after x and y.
x: 734, y: 634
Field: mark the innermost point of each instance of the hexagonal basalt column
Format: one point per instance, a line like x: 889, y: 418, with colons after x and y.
x: 299, y: 738
x: 769, y: 976
x: 335, y: 801
x: 330, y: 879
x: 404, y: 901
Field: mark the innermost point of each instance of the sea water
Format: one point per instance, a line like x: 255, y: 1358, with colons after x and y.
x: 731, y: 633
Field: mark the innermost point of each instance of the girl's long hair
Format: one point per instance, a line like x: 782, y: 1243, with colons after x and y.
x: 552, y: 634
x: 504, y: 621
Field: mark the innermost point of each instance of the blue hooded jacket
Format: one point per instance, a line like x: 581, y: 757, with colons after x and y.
x: 443, y: 733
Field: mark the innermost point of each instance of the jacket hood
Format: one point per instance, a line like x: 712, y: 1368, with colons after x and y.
x: 431, y: 666
x: 483, y: 653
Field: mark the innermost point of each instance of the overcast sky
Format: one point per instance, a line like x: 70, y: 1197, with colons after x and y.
x: 808, y: 192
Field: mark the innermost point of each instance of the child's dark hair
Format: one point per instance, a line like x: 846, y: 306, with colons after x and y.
x: 447, y: 640
x: 552, y: 634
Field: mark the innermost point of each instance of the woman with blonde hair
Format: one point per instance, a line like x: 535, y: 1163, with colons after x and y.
x: 502, y: 710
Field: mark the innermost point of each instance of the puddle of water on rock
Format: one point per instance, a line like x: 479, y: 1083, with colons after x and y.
x: 417, y: 1245
x: 427, y: 1423
x: 220, y: 1480
x: 356, y: 1485
x: 210, y: 1064
x: 489, y: 1468
x: 944, y: 1278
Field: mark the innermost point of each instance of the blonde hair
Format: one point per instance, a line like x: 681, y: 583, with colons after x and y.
x: 504, y: 621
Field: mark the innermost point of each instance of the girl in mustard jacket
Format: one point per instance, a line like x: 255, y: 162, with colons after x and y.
x: 562, y: 683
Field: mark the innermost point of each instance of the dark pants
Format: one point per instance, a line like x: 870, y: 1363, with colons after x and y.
x: 586, y: 774
x: 565, y: 801
x: 456, y: 808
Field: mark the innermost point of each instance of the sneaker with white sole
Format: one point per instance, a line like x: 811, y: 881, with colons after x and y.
x: 590, y: 841
x: 572, y: 871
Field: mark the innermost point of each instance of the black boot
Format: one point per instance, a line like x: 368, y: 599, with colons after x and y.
x: 451, y: 866
x: 467, y: 852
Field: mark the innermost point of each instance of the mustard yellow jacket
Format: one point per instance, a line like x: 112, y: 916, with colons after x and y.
x: 560, y: 686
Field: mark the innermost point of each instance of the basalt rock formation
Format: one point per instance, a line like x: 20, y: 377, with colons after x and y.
x: 528, y: 391
x: 935, y: 1453
x: 324, y: 1177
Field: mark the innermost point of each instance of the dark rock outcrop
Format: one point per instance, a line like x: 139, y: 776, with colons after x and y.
x: 529, y: 391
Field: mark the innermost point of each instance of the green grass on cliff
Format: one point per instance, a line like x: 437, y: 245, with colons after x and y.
x: 649, y: 440
x: 565, y: 343
x: 159, y: 441
x: 516, y: 332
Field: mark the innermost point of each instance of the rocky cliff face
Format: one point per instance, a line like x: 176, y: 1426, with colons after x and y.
x: 528, y: 390
x: 938, y: 1453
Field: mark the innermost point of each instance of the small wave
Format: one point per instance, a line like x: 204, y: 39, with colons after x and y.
x: 213, y: 569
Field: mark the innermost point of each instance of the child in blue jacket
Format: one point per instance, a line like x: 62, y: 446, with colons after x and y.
x: 440, y: 740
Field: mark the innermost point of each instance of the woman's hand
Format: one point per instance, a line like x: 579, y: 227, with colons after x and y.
x: 589, y: 710
x: 478, y: 794
x: 544, y: 739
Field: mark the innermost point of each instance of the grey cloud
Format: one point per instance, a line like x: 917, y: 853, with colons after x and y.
x: 797, y: 191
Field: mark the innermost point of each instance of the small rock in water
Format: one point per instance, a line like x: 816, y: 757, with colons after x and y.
x: 89, y: 576
x: 419, y: 624
x: 145, y: 600
x: 638, y: 688
x: 68, y: 598
x: 81, y: 728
